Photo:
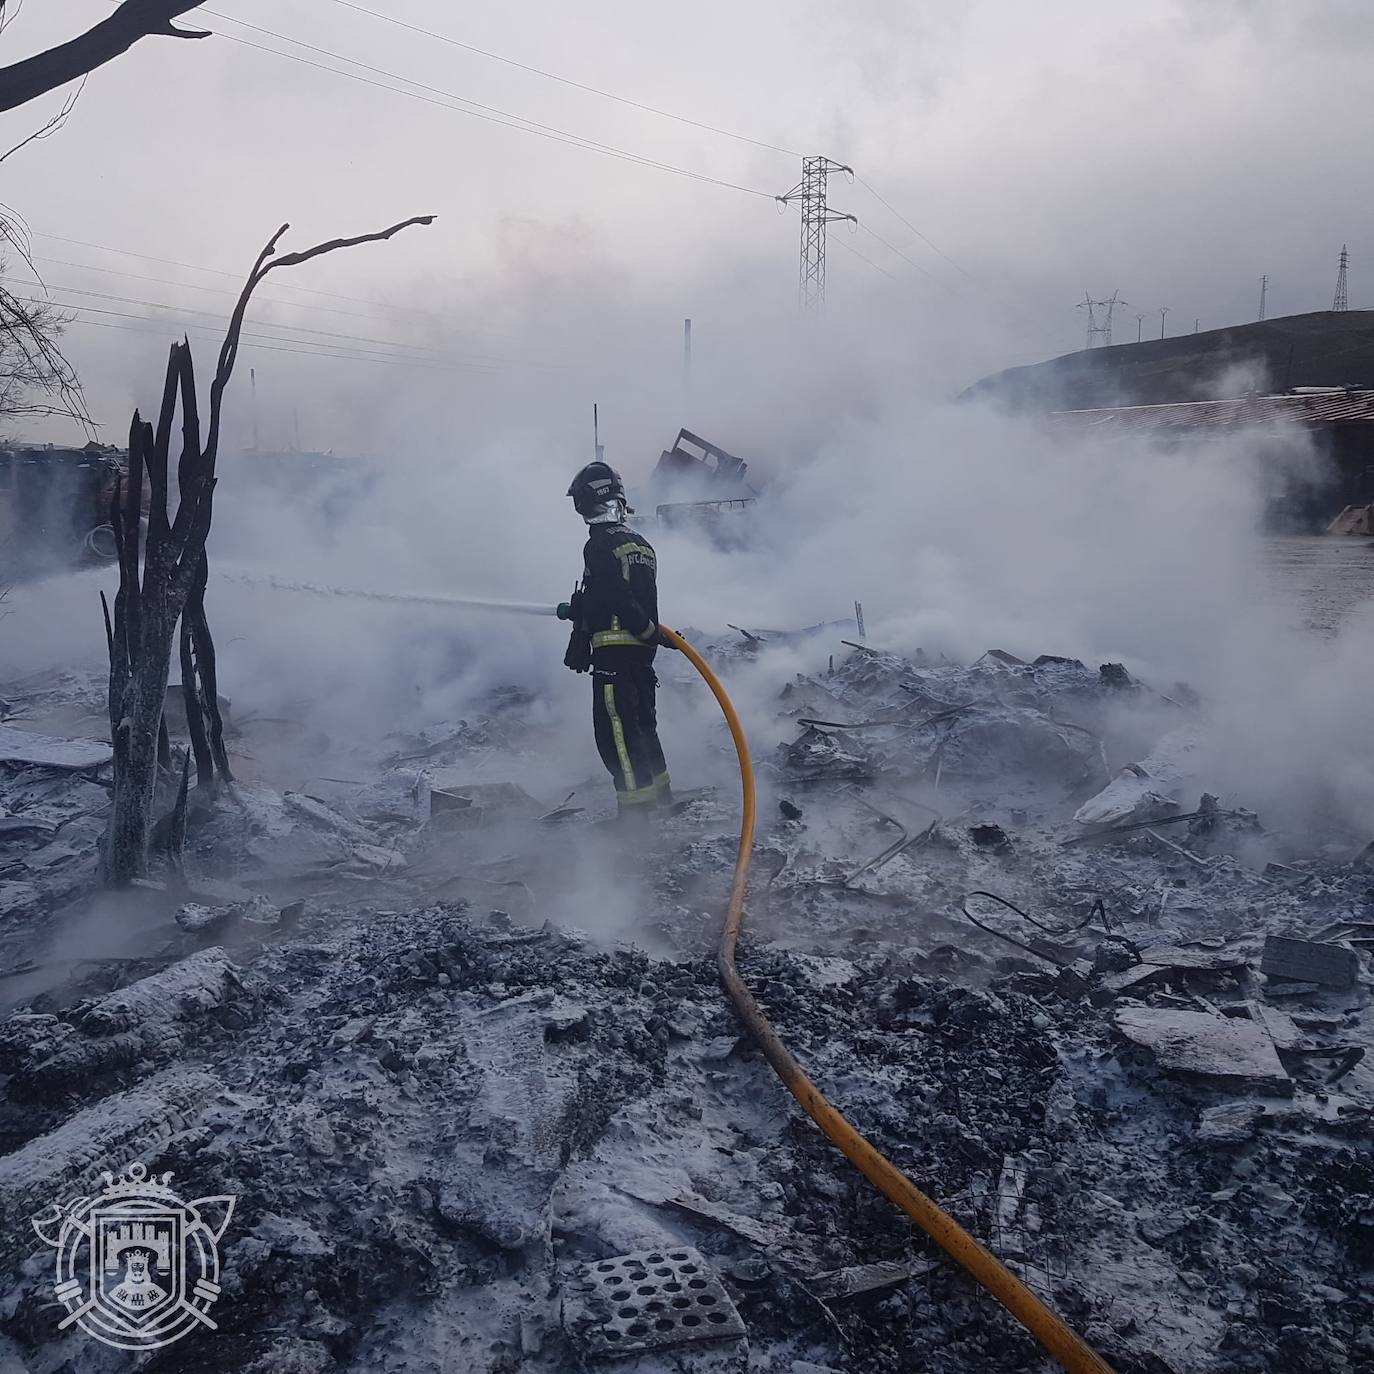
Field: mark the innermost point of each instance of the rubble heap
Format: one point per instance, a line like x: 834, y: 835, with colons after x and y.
x: 1127, y: 1051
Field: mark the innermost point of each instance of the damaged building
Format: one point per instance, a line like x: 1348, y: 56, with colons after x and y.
x: 1298, y: 389
x: 1316, y: 445
x: 54, y: 505
x: 55, y: 501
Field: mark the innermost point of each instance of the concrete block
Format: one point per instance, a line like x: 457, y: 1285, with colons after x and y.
x: 1335, y: 965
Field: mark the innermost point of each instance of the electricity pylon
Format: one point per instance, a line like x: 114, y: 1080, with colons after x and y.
x: 816, y: 214
x: 1100, y: 325
x: 1340, y: 302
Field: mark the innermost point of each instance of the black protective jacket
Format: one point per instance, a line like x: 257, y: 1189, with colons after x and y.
x: 615, y: 610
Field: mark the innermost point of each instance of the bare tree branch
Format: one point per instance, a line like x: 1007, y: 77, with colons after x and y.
x: 229, y: 349
x: 9, y: 13
x: 14, y: 230
x: 46, y: 71
x: 53, y: 125
x: 35, y: 376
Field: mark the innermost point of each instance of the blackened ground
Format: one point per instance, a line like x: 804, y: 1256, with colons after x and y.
x: 432, y: 1093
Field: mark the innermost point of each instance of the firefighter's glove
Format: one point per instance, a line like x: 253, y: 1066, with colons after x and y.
x: 579, y: 654
x: 653, y: 634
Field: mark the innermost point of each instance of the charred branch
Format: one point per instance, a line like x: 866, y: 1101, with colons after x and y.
x: 52, y: 125
x: 267, y: 263
x: 35, y: 376
x: 23, y: 81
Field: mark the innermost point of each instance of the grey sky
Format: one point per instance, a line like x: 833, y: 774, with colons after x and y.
x: 1172, y: 151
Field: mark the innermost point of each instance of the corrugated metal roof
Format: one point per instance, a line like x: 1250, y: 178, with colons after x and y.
x: 1308, y: 409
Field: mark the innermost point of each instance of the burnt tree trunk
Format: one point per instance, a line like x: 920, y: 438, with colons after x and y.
x: 162, y: 578
x: 200, y: 688
x: 146, y: 607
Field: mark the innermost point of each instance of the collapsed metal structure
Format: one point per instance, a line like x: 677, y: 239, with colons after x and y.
x: 708, y: 486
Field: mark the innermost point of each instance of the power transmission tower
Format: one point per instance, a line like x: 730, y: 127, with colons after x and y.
x: 816, y: 214
x: 1100, y: 325
x: 1264, y: 294
x: 1340, y: 303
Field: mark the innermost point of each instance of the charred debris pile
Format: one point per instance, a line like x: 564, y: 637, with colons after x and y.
x: 1113, y: 1025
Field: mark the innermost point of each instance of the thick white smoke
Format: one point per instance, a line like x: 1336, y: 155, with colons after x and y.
x: 958, y: 527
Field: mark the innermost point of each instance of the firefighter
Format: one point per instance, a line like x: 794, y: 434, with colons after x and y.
x: 615, y: 635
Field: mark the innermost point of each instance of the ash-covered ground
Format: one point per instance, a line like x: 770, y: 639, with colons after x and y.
x: 454, y: 1037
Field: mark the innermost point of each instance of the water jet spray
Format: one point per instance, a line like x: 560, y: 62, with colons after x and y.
x: 416, y: 598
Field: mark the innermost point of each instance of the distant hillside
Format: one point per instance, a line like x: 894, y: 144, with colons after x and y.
x: 1322, y: 349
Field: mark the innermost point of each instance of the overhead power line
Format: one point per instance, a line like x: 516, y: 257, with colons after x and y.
x: 192, y: 267
x: 202, y: 334
x: 564, y: 80
x: 271, y: 342
x: 335, y: 350
x: 639, y: 105
x: 892, y: 248
x: 223, y: 315
x: 220, y: 315
x: 142, y: 324
x: 434, y: 95
x: 863, y: 257
x: 251, y: 343
x: 440, y: 97
x: 236, y: 277
x: 261, y: 299
x: 258, y: 296
x: 934, y: 248
x: 421, y: 31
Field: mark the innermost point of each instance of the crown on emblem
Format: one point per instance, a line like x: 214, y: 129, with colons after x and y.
x: 135, y: 1181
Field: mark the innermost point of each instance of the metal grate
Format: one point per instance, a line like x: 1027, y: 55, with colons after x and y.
x: 646, y: 1301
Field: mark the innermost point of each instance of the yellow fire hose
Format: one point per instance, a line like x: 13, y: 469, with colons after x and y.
x: 1059, y: 1339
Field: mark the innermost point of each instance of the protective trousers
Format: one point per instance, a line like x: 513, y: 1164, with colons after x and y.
x: 625, y: 720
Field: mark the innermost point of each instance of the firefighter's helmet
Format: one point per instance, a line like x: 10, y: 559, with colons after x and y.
x: 594, y: 488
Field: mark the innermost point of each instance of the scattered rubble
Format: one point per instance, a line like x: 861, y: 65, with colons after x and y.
x: 1139, y: 1075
